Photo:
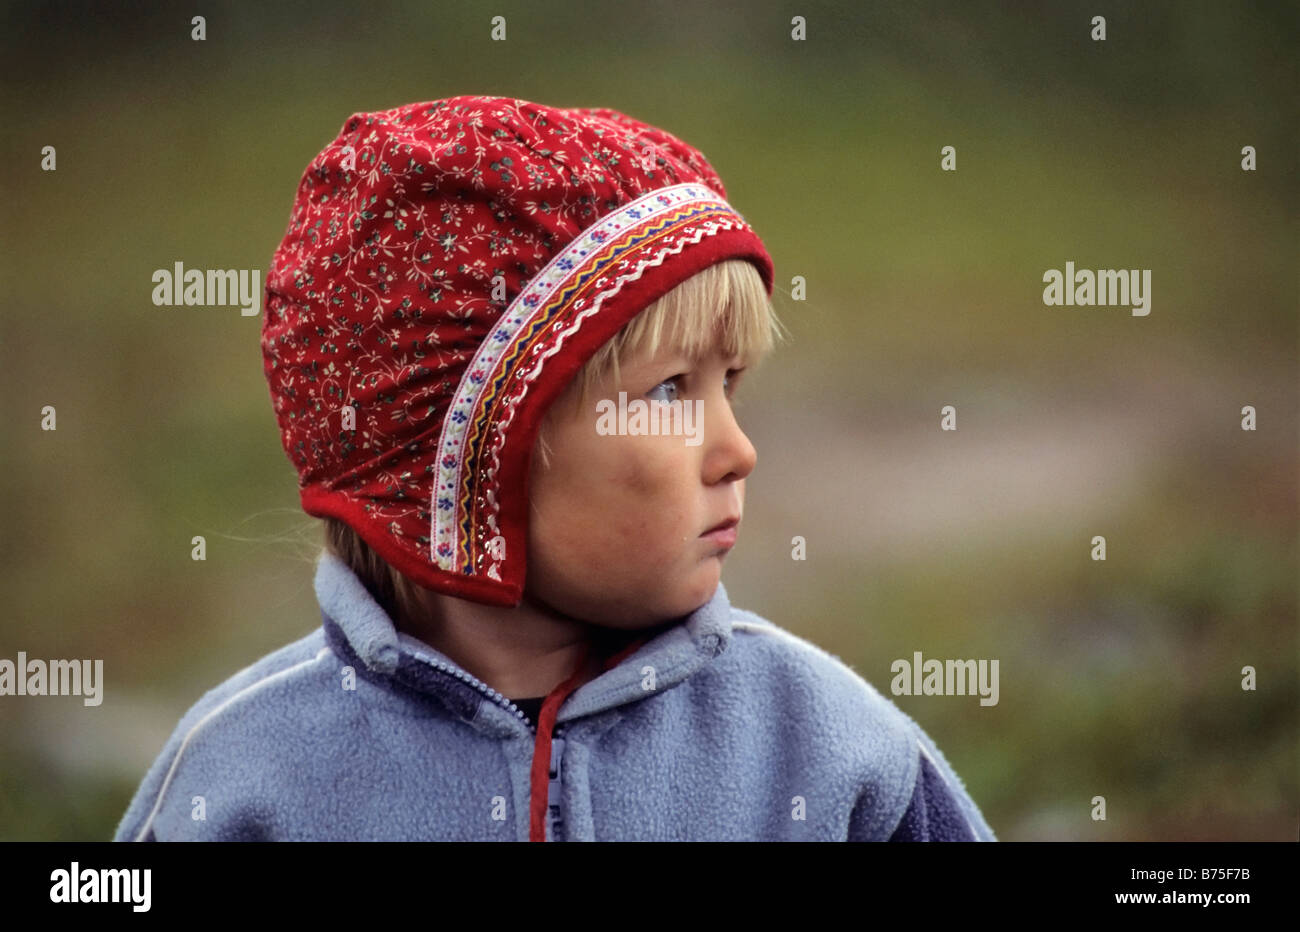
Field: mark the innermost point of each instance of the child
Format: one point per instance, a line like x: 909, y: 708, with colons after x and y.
x: 459, y: 281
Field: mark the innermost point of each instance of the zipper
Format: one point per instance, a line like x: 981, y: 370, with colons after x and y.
x: 482, y: 687
x: 553, y: 818
x: 553, y: 806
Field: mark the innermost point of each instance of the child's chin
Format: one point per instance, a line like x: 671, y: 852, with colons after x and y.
x: 703, y: 585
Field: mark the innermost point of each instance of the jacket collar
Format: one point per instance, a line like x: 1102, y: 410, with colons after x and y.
x: 357, y: 626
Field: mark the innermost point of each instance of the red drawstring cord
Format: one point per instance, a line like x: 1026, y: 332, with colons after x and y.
x: 540, y: 774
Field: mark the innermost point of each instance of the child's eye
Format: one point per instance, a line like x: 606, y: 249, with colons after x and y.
x: 671, y: 383
x: 672, y: 387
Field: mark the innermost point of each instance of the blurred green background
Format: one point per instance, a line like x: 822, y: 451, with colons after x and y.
x: 1118, y: 678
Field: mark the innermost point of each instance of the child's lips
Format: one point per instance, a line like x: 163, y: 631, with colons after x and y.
x: 724, y: 534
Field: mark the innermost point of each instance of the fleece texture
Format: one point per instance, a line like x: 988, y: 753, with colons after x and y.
x: 724, y: 727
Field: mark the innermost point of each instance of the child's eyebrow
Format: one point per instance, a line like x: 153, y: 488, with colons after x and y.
x: 687, y: 363
x: 706, y: 353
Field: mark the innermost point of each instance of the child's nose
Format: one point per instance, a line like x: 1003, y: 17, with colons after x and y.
x: 730, y: 454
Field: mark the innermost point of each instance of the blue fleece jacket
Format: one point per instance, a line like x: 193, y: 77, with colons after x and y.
x: 721, y: 727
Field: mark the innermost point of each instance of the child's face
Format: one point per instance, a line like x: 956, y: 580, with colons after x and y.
x: 616, y: 523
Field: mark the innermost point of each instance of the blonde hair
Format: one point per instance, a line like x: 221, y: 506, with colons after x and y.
x: 393, y: 590
x: 724, y: 307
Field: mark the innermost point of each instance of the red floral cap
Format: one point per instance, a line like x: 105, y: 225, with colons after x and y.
x: 448, y: 268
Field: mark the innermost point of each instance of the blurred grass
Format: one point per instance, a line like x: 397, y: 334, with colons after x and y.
x: 1118, y: 679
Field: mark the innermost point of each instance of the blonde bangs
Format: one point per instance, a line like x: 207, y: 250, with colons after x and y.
x: 724, y: 308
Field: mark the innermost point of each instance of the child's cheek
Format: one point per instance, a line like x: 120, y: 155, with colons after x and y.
x: 661, y: 488
x: 651, y: 471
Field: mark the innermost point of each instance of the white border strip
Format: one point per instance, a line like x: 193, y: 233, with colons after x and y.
x: 203, y: 721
